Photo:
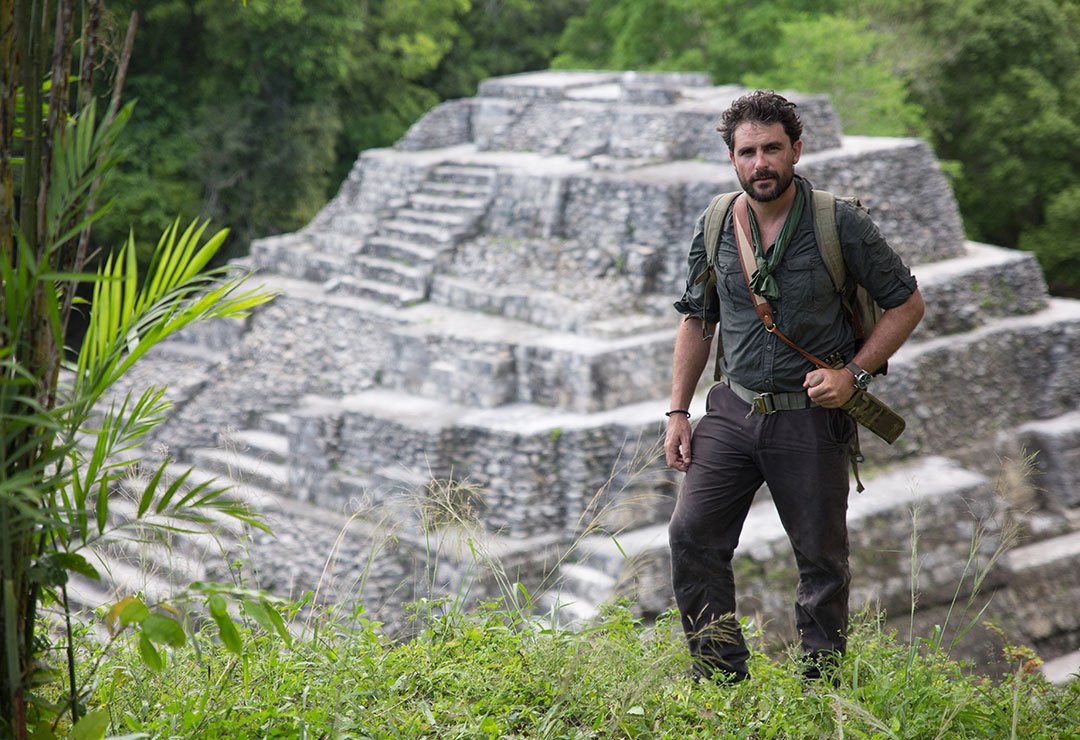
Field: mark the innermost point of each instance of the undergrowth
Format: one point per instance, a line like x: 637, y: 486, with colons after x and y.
x: 492, y: 674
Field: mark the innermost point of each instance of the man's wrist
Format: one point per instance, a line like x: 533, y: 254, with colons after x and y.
x: 684, y: 412
x: 861, y: 378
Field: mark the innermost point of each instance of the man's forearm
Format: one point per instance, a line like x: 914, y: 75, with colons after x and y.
x: 891, y: 331
x: 691, y: 356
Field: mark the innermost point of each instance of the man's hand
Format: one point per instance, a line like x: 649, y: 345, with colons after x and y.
x: 677, y: 442
x: 829, y: 388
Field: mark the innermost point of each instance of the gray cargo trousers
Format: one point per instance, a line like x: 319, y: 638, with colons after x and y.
x: 803, y: 455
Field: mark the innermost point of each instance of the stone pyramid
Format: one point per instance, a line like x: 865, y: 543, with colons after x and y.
x: 479, y: 326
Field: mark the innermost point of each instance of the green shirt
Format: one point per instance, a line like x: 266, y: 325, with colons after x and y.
x: 809, y: 310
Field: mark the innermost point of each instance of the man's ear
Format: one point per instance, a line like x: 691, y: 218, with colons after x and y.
x: 797, y: 147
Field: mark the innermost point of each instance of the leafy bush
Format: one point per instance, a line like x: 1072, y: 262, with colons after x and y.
x: 495, y: 674
x: 1057, y: 242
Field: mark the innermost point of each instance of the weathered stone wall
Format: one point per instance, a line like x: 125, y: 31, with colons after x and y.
x: 527, y: 204
x: 905, y: 190
x: 447, y: 124
x: 638, y: 116
x: 1056, y: 445
x: 604, y: 209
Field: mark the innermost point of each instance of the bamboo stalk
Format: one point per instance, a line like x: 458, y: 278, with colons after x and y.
x: 79, y: 260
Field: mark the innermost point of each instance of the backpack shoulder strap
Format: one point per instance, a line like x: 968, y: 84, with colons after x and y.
x: 827, y: 237
x: 714, y: 222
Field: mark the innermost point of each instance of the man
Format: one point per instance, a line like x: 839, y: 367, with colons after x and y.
x: 802, y: 452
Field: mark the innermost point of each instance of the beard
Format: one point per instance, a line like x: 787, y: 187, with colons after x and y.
x: 780, y: 183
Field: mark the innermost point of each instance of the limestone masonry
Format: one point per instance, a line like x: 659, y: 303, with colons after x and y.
x: 479, y: 327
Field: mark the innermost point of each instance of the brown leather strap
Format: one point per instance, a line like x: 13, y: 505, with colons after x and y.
x: 749, y: 264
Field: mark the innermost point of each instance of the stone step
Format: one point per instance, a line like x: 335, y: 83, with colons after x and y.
x: 311, y: 538
x: 394, y: 273
x: 535, y: 468
x: 1044, y: 587
x: 326, y: 293
x: 203, y: 538
x: 261, y: 444
x: 491, y: 380
x: 120, y: 579
x: 1062, y: 669
x: 463, y: 174
x: 403, y: 250
x: 377, y: 290
x: 456, y: 191
x: 516, y: 302
x: 337, y: 243
x: 566, y: 610
x: 179, y: 560
x: 969, y: 291
x: 951, y: 503
x: 961, y: 294
x: 240, y: 468
x: 422, y: 233
x: 186, y: 352
x: 86, y: 595
x: 488, y: 361
x: 352, y: 224
x: 166, y: 550
x: 275, y: 423
x: 961, y: 389
x: 1056, y: 443
x: 437, y: 203
x: 457, y: 221
x: 585, y: 581
x: 301, y: 260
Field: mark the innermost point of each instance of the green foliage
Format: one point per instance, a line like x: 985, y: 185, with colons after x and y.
x: 844, y: 59
x: 500, y: 37
x: 1000, y: 93
x: 789, y: 45
x: 727, y: 39
x: 491, y: 674
x: 253, y: 113
x: 1057, y: 241
x: 59, y: 444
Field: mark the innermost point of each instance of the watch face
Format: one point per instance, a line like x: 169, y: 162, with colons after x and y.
x: 862, y: 380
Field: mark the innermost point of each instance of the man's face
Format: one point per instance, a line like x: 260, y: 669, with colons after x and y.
x: 764, y: 159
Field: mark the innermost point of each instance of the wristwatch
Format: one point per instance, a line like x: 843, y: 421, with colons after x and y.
x: 862, y: 378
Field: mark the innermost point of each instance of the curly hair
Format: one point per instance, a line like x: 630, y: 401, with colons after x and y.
x: 760, y: 106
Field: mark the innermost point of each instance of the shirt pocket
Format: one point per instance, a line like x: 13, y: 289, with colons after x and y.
x: 805, y: 284
x: 729, y: 274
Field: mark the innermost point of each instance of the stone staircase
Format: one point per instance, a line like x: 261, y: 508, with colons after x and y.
x: 391, y: 257
x: 481, y: 322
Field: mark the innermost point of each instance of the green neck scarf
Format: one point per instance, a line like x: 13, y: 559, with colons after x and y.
x: 762, y: 281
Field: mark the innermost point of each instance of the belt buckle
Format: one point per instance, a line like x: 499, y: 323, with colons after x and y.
x: 762, y: 404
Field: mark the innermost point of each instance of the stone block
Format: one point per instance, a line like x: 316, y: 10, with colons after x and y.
x: 977, y: 287
x: 550, y: 85
x: 447, y: 124
x: 1045, y: 586
x: 901, y: 183
x: 1056, y: 443
x: 955, y: 390
x: 391, y: 429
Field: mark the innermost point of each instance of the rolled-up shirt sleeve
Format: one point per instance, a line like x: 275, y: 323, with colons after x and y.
x: 870, y: 259
x: 695, y: 301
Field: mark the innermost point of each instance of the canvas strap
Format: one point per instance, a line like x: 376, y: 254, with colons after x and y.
x: 749, y: 263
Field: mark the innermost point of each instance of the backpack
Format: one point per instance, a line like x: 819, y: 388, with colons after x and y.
x: 862, y: 311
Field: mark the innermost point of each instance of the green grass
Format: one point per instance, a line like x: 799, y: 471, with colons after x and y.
x: 492, y: 674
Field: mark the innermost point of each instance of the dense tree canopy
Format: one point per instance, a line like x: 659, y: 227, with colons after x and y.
x: 1002, y: 99
x: 253, y: 113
